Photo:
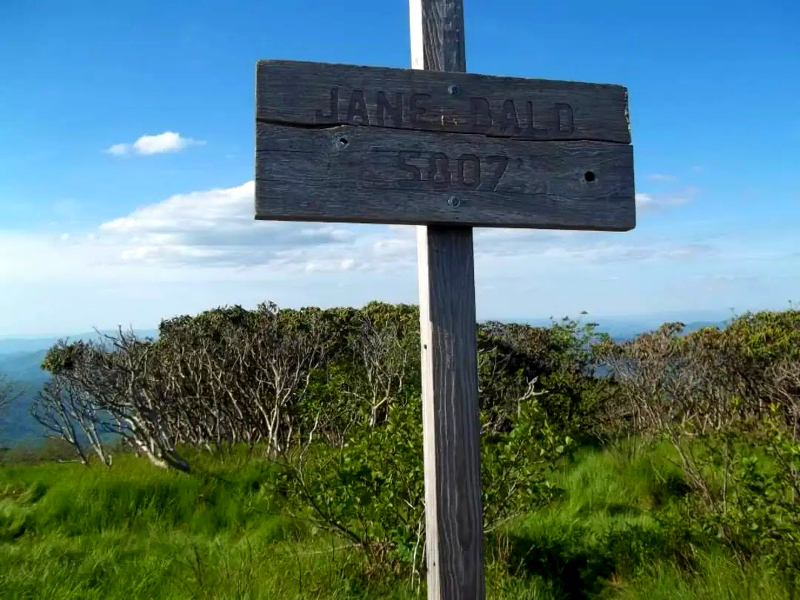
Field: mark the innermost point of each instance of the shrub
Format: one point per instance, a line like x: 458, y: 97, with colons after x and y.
x: 371, y: 489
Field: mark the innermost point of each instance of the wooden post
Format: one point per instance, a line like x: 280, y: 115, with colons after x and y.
x: 446, y: 151
x: 450, y: 421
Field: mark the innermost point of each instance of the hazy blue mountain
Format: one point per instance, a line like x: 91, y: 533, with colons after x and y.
x: 21, y: 357
x: 17, y: 426
x: 695, y: 325
x: 24, y: 366
x: 626, y: 327
x: 19, y: 344
x: 623, y: 331
x: 20, y: 360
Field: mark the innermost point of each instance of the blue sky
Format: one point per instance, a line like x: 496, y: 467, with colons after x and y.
x: 91, y: 238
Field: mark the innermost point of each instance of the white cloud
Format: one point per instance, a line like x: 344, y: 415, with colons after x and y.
x: 119, y: 149
x: 663, y: 177
x: 201, y: 249
x: 647, y: 203
x: 169, y: 141
x: 191, y: 235
x: 216, y: 229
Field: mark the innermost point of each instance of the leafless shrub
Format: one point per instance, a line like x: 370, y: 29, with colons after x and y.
x: 68, y: 413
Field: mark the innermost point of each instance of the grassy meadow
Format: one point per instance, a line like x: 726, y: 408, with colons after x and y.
x: 276, y: 453
x: 137, y: 531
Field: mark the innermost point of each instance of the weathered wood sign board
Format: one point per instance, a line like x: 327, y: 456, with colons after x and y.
x: 344, y: 143
x: 437, y: 147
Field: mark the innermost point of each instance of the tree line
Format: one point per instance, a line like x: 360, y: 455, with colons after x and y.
x: 276, y: 376
x: 333, y: 396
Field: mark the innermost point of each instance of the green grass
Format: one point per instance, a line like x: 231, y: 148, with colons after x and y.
x: 134, y: 531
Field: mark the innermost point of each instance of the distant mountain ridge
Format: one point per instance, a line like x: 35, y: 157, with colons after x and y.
x: 616, y: 326
x: 621, y: 333
x: 21, y: 358
x: 23, y: 366
x: 22, y: 344
x: 621, y: 328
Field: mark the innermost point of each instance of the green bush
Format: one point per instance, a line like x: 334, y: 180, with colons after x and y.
x: 751, y: 497
x: 607, y: 468
x: 371, y: 489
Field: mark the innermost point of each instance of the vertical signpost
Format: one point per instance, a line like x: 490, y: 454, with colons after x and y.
x: 447, y: 151
x: 450, y: 417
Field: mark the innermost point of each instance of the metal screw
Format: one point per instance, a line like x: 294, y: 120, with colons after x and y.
x: 454, y: 202
x: 453, y: 89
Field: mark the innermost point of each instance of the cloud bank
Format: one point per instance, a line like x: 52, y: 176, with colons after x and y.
x: 196, y: 250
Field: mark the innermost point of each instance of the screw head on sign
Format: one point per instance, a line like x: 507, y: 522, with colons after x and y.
x: 453, y: 89
x: 454, y: 202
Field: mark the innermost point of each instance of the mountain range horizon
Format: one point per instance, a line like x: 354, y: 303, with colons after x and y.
x: 16, y: 342
x: 21, y: 356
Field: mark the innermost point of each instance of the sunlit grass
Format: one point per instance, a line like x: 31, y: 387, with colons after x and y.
x: 135, y: 531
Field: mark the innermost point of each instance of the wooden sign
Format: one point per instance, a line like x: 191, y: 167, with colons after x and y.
x: 344, y: 143
x: 446, y: 150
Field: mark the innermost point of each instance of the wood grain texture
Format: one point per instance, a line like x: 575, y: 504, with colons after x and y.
x: 443, y: 35
x: 371, y: 175
x: 451, y: 425
x: 314, y: 94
